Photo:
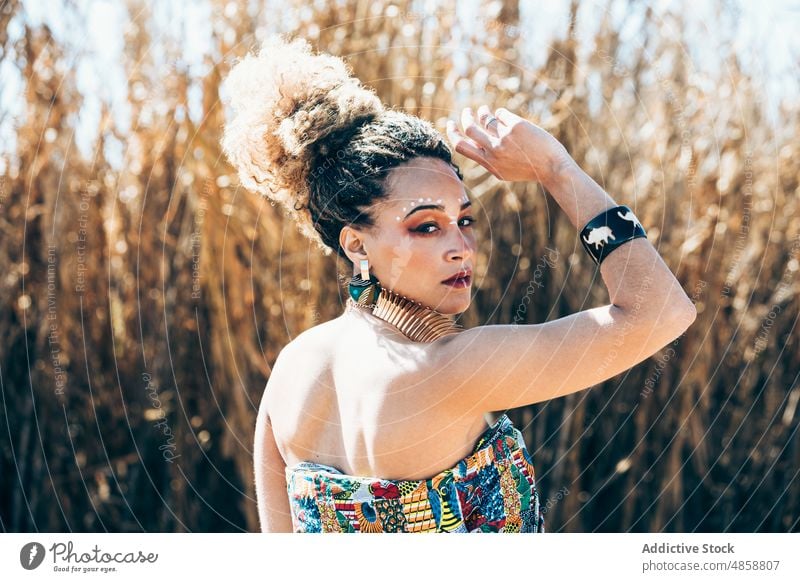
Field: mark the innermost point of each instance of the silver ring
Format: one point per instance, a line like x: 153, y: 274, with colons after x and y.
x: 491, y: 120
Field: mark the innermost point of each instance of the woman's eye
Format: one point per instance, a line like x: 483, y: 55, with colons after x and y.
x: 423, y: 227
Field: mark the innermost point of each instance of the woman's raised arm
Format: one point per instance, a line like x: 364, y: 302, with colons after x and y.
x: 505, y: 366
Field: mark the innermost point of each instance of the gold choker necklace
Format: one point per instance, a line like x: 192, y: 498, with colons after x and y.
x: 414, y: 320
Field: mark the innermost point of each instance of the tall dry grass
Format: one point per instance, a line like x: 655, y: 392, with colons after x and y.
x: 144, y: 306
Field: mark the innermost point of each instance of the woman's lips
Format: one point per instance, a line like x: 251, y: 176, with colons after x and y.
x: 460, y: 283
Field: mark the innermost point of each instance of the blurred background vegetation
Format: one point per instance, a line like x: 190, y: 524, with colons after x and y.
x: 145, y: 295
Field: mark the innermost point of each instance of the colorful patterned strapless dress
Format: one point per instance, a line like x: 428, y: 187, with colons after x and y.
x: 493, y: 489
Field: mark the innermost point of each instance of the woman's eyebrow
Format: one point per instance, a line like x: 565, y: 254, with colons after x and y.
x: 466, y: 204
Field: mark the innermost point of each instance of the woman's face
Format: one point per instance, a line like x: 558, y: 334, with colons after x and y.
x: 423, y: 235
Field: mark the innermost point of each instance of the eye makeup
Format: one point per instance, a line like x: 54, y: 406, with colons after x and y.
x: 422, y: 228
x: 466, y: 204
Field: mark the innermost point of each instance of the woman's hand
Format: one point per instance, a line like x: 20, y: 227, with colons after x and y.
x: 511, y: 148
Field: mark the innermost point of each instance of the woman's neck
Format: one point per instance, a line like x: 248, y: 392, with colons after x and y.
x: 410, y: 318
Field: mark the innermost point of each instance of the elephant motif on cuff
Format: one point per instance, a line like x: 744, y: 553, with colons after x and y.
x: 599, y: 236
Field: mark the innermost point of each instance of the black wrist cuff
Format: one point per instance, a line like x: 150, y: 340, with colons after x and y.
x: 609, y: 230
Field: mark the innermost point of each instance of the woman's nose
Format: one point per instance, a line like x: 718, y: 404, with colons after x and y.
x: 462, y: 245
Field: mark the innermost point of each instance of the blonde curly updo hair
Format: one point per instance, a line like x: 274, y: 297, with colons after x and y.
x: 308, y: 135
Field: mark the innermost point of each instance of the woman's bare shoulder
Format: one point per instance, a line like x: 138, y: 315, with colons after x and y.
x: 320, y: 336
x: 310, y: 350
x: 303, y: 363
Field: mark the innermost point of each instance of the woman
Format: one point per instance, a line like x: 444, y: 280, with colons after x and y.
x: 375, y: 421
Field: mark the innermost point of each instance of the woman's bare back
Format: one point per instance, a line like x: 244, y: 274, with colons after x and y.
x: 341, y: 394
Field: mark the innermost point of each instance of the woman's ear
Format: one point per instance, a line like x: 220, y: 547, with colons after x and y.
x: 353, y: 244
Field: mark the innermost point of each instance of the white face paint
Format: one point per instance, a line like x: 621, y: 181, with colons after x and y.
x: 413, y: 250
x: 455, y: 220
x: 412, y: 203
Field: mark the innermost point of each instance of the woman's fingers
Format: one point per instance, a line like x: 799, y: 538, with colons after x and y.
x: 511, y: 148
x: 475, y: 132
x: 463, y: 145
x: 488, y: 121
x: 506, y: 117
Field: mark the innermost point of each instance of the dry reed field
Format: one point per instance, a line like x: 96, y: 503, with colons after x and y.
x: 145, y: 294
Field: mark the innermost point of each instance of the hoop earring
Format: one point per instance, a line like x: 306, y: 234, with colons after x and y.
x: 364, y: 289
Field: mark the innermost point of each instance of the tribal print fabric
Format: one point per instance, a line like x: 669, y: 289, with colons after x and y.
x: 493, y: 489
